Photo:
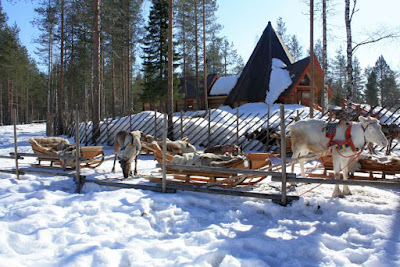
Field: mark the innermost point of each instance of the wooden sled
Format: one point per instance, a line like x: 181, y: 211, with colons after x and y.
x: 57, y: 146
x: 367, y: 165
x: 255, y: 161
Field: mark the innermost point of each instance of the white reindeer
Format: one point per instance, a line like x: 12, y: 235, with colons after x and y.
x: 310, y: 136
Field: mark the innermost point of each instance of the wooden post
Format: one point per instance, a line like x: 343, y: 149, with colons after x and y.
x: 164, y: 172
x: 181, y: 124
x: 130, y: 122
x: 77, y: 156
x: 15, y: 143
x: 155, y: 123
x: 209, y: 128
x: 237, y: 126
x: 268, y: 114
x: 108, y: 131
x: 283, y: 156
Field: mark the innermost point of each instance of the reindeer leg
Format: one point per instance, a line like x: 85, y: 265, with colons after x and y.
x: 336, y: 168
x: 135, y: 172
x: 115, y: 159
x: 346, y: 190
x: 389, y: 146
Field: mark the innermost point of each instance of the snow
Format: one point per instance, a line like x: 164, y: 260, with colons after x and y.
x: 45, y: 223
x: 224, y: 85
x: 279, y: 81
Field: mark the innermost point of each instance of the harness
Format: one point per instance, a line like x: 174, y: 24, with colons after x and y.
x: 129, y: 144
x: 348, y: 142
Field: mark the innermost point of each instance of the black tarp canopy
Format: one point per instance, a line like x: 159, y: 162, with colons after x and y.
x: 254, y: 80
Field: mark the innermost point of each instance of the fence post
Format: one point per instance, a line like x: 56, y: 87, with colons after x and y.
x: 130, y: 122
x: 209, y: 128
x: 283, y: 155
x: 268, y: 114
x: 237, y: 126
x: 108, y: 131
x: 164, y: 179
x: 155, y: 123
x: 15, y: 142
x: 181, y: 124
x: 77, y: 156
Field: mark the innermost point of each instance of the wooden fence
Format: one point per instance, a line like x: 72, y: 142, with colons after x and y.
x: 214, y: 127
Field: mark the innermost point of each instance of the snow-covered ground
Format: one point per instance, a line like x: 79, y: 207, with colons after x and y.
x: 44, y: 223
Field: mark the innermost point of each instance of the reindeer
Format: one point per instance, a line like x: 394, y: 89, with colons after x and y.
x: 225, y: 149
x: 391, y: 132
x: 310, y: 136
x: 129, y: 143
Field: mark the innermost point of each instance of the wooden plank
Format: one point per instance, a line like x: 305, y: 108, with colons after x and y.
x: 344, y: 182
x: 50, y: 156
x: 225, y: 170
x: 156, y: 188
x: 230, y: 192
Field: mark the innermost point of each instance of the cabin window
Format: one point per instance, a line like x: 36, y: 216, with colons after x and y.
x: 305, y: 81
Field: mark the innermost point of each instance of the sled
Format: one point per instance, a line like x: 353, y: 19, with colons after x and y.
x: 252, y: 161
x: 384, y: 166
x: 57, y: 146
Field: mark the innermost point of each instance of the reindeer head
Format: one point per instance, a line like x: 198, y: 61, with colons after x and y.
x: 373, y: 131
x: 125, y: 166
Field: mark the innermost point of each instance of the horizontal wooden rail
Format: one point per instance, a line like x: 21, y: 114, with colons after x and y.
x: 33, y: 155
x: 337, y: 181
x: 225, y: 170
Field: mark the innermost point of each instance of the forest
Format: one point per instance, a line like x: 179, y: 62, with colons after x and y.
x: 106, y: 58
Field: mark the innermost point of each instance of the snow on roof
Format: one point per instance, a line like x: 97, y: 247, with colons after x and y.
x: 224, y: 85
x: 279, y: 81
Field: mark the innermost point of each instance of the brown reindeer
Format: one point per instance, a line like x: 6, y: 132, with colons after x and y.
x: 129, y: 144
x: 225, y: 149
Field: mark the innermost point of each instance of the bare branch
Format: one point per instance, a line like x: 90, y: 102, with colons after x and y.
x: 379, y: 35
x: 354, y: 10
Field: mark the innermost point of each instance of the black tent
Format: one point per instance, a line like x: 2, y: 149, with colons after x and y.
x: 254, y: 80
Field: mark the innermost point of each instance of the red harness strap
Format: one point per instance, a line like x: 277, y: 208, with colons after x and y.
x: 348, y: 142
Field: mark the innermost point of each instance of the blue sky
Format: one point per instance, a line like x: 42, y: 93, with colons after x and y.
x: 244, y: 21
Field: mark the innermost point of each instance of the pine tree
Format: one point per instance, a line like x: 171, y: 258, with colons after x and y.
x: 338, y: 78
x: 295, y: 48
x: 281, y: 30
x: 155, y: 59
x: 358, y: 82
x: 386, y: 82
x: 371, y: 89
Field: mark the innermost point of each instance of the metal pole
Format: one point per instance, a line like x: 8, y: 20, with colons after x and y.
x: 164, y: 173
x: 77, y: 155
x: 283, y: 155
x: 15, y: 143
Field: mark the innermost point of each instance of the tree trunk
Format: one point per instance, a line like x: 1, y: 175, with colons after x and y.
x: 114, y: 89
x: 205, y: 58
x: 170, y: 105
x: 60, y: 127
x: 96, y: 71
x: 196, y: 40
x: 349, y: 50
x: 324, y: 100
x: 311, y: 58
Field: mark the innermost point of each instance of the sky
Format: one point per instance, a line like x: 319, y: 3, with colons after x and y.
x: 243, y: 22
x: 43, y: 222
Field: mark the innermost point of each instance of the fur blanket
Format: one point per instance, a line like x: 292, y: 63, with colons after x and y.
x: 206, y: 159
